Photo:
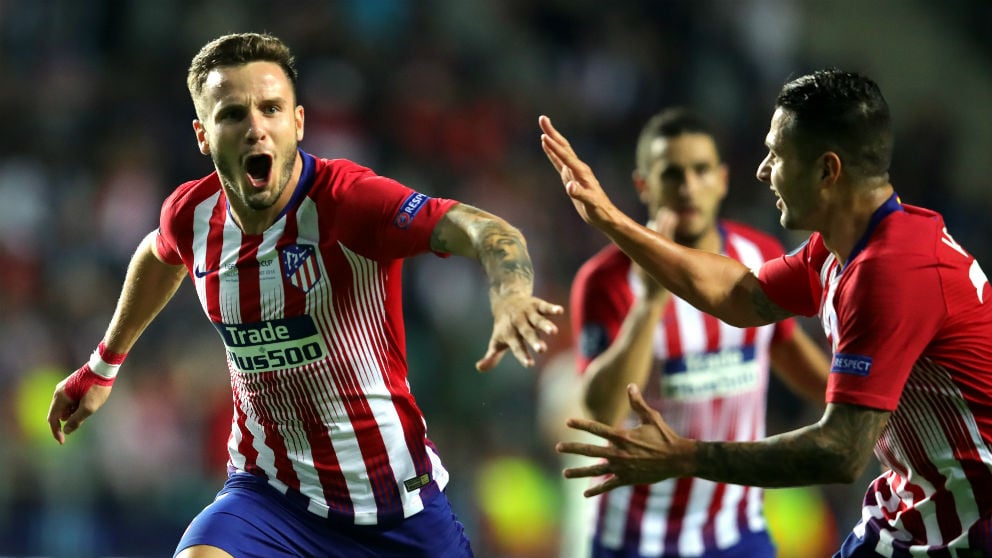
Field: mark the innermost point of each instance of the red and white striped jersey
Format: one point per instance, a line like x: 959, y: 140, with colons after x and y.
x: 310, y: 315
x: 709, y: 380
x: 909, y: 319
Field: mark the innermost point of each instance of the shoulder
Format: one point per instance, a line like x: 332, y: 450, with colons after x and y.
x: 904, y: 239
x: 339, y: 174
x: 188, y: 195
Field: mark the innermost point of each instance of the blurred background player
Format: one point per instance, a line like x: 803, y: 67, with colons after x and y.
x: 708, y: 379
x: 296, y: 261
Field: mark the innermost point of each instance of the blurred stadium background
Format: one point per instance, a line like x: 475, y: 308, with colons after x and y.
x: 444, y: 96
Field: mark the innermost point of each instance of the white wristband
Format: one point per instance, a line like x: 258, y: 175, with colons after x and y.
x: 101, y: 367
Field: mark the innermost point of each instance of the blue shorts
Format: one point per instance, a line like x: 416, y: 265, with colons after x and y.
x: 251, y: 519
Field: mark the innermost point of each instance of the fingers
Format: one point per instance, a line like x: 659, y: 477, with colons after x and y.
x: 60, y: 408
x: 75, y: 420
x: 588, y: 450
x: 490, y: 359
x: 55, y: 425
x: 604, y: 431
x: 597, y: 470
x: 640, y: 407
x: 605, y: 486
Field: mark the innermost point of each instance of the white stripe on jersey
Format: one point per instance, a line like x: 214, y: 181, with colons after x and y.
x: 654, y: 526
x: 201, y: 229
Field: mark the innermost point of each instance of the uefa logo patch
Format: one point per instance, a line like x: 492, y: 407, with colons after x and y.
x: 846, y: 363
x: 299, y: 265
x: 411, y: 206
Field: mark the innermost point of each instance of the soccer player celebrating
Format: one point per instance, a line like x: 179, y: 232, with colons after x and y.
x: 905, y: 308
x: 296, y: 261
x: 709, y: 378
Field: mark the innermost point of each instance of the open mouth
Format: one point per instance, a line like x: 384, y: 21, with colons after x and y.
x: 259, y: 167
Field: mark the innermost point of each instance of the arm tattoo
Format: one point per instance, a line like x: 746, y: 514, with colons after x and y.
x: 503, y: 254
x: 468, y: 231
x: 836, y: 449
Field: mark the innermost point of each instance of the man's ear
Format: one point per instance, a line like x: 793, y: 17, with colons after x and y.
x: 298, y: 116
x: 201, y: 136
x: 830, y: 167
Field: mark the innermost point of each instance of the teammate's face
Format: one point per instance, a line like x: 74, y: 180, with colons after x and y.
x: 250, y: 126
x: 685, y: 175
x: 792, y: 179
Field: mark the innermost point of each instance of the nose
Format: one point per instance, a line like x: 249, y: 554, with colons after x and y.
x: 764, y: 169
x: 256, y: 126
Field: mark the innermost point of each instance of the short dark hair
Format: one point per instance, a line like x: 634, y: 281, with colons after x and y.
x: 845, y: 112
x: 237, y: 49
x: 669, y: 123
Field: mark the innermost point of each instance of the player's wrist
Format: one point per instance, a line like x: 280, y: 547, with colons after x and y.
x: 105, y: 363
x: 100, y: 370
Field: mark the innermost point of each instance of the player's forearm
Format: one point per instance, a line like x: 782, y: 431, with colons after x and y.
x: 627, y: 360
x: 834, y: 452
x: 502, y: 251
x: 497, y: 245
x: 716, y: 284
x: 148, y: 286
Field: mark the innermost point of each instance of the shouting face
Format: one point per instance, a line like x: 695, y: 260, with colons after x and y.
x: 250, y: 126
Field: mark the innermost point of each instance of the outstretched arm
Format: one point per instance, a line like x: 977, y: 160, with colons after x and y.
x: 715, y: 284
x: 519, y: 317
x: 148, y: 286
x: 835, y: 449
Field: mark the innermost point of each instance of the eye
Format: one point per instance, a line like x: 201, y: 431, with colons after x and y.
x: 702, y: 168
x: 232, y: 114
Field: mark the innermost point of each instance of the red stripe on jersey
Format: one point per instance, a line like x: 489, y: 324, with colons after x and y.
x: 248, y: 289
x: 635, y: 515
x: 672, y: 336
x: 712, y: 326
x: 676, y: 514
x: 742, y: 512
x: 295, y: 302
x: 716, y: 504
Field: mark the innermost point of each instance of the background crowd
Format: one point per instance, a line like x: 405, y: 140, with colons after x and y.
x: 442, y: 95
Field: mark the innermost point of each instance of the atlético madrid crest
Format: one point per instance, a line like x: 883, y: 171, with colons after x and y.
x: 299, y: 265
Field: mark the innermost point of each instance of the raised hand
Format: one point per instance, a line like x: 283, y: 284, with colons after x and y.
x: 646, y: 454
x: 591, y: 202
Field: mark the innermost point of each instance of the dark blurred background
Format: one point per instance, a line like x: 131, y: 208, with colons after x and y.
x: 444, y: 96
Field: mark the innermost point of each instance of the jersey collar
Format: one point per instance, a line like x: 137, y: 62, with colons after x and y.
x: 890, y: 206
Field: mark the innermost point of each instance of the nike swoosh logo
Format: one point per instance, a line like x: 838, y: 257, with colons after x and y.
x: 202, y: 273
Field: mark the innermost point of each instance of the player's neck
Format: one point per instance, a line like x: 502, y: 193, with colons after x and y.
x: 849, y: 220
